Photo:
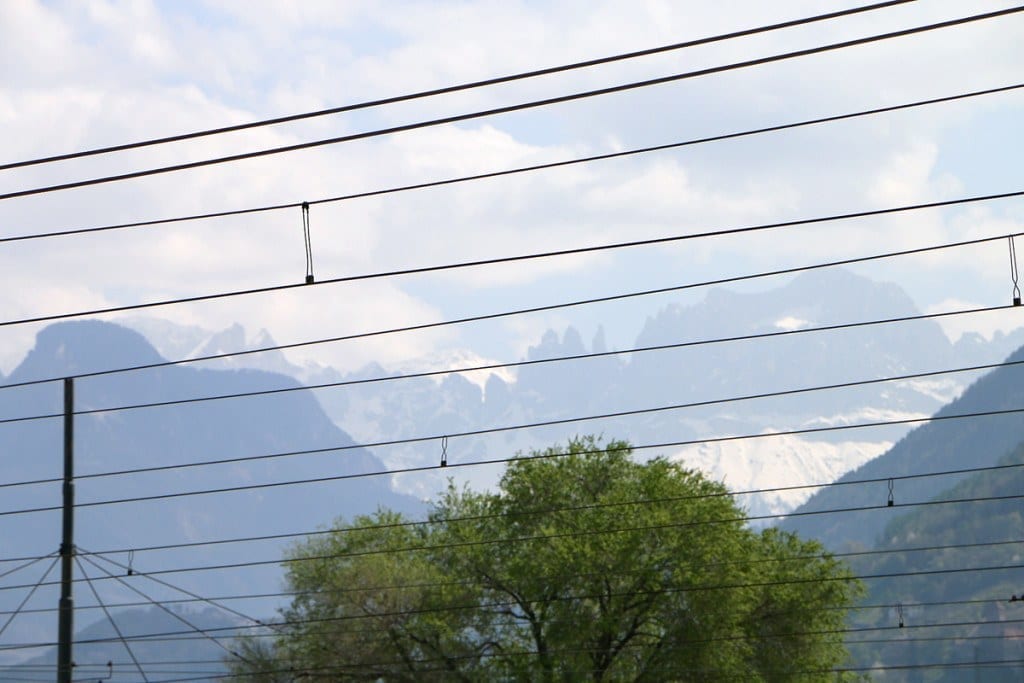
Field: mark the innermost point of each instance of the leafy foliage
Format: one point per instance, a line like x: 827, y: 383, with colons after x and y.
x: 583, y: 565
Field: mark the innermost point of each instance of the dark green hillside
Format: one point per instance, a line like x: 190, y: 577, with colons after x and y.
x: 934, y: 447
x: 984, y: 594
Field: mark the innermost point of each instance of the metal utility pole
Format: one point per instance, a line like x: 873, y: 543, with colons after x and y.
x: 65, y: 625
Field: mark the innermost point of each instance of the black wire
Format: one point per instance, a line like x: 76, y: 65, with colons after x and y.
x: 515, y: 108
x: 198, y: 662
x: 492, y: 461
x: 561, y: 99
x: 718, y: 674
x: 327, y: 672
x: 519, y: 169
x: 773, y: 394
x: 215, y: 601
x: 664, y: 591
x: 110, y: 618
x: 721, y: 281
x: 702, y: 674
x: 453, y: 88
x: 508, y: 259
x: 639, y: 411
x: 677, y: 525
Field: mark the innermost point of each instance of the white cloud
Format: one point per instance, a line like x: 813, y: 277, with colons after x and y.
x: 110, y: 72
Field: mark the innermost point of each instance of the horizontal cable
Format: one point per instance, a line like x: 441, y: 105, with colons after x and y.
x: 582, y: 356
x: 680, y: 406
x: 519, y: 169
x: 522, y: 106
x: 493, y: 461
x: 664, y: 591
x: 283, y: 594
x: 325, y: 672
x: 527, y: 539
x: 508, y: 259
x: 472, y: 85
x: 201, y: 662
x: 536, y: 309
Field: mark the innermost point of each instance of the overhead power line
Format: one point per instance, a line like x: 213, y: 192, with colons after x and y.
x: 543, y: 538
x: 517, y: 170
x: 793, y: 487
x: 580, y: 302
x: 491, y: 461
x: 219, y: 600
x: 561, y: 99
x: 544, y: 423
x: 472, y: 85
x: 662, y: 591
x: 507, y: 259
x: 882, y: 505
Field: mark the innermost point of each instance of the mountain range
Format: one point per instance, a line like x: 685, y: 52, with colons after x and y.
x: 255, y: 435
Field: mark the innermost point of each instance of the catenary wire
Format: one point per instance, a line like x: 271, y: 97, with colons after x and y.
x: 472, y: 85
x: 201, y: 662
x: 664, y: 591
x: 216, y: 601
x: 123, y: 472
x: 505, y: 259
x: 516, y: 170
x: 816, y: 556
x: 507, y: 459
x: 659, y: 347
x: 546, y: 423
x: 493, y: 461
x: 561, y: 99
x: 326, y: 672
x: 328, y: 340
x: 653, y: 527
x: 973, y: 663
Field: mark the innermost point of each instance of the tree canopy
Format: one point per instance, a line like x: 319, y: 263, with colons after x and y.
x: 583, y: 564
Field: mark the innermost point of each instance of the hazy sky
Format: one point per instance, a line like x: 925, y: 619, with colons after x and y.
x: 75, y: 75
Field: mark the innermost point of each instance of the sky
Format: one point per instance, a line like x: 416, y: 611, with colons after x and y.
x: 78, y: 75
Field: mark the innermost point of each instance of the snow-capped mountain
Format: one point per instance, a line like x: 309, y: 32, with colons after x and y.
x: 777, y: 462
x: 654, y: 381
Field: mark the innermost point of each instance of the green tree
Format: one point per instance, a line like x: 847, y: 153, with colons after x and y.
x: 582, y: 565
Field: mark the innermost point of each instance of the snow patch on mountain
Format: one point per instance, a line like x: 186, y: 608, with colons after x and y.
x: 776, y: 462
x: 942, y: 390
x: 864, y: 415
x: 791, y: 323
x: 455, y: 358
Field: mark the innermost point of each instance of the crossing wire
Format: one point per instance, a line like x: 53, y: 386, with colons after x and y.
x: 110, y: 618
x: 204, y: 632
x: 472, y: 85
